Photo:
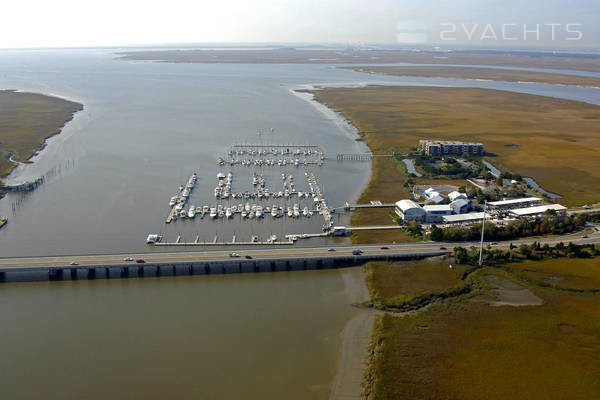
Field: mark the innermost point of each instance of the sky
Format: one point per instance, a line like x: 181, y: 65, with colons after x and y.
x: 88, y: 23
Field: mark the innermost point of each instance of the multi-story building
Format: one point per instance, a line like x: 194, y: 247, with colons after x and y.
x: 408, y: 210
x: 442, y: 147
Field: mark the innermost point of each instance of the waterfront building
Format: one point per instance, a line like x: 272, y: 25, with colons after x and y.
x: 408, y: 210
x: 539, y: 211
x: 460, y: 206
x: 435, y: 213
x: 444, y: 147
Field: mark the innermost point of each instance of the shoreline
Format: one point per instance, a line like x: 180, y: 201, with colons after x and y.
x: 37, y: 150
x: 354, y: 340
x: 306, y: 93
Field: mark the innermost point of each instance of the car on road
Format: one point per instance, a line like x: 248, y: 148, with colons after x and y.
x: 585, y: 237
x: 234, y: 255
x: 74, y: 263
x: 331, y: 249
x: 357, y: 252
x: 128, y: 259
x: 443, y: 248
x: 249, y: 257
x: 384, y: 248
x: 494, y: 243
x: 140, y: 261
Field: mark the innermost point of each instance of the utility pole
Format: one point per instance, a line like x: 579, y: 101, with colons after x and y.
x: 482, y: 234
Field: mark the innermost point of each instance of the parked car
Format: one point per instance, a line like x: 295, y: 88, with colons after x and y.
x: 234, y: 255
x: 140, y: 261
x: 357, y: 252
x: 128, y: 259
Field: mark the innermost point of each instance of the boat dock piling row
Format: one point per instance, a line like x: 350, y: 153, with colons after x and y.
x: 254, y: 240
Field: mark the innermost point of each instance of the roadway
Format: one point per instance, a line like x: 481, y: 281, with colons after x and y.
x: 270, y: 253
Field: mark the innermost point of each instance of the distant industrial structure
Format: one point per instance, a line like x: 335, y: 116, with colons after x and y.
x: 442, y: 147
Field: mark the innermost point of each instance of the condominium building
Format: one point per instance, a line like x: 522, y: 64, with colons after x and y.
x: 441, y: 147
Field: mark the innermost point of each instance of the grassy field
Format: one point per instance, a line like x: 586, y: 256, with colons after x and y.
x: 552, y: 140
x: 464, y: 348
x: 482, y: 73
x: 26, y: 121
x: 386, y: 185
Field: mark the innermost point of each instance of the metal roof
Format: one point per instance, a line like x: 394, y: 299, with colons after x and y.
x: 537, y: 210
x: 514, y: 201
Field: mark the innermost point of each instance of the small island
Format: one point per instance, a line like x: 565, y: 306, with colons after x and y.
x: 27, y: 120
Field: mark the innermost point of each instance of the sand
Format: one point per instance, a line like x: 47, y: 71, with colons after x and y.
x: 354, y: 340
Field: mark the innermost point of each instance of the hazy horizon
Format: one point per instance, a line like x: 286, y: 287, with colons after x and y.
x: 111, y: 23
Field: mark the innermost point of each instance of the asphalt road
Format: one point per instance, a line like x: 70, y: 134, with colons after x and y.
x: 418, y: 248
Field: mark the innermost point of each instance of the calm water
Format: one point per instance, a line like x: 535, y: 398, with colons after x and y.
x: 147, y: 126
x: 251, y: 336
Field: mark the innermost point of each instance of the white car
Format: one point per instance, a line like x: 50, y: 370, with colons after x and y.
x: 74, y: 263
x: 234, y: 255
x: 128, y: 259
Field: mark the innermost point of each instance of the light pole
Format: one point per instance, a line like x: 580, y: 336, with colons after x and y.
x: 482, y: 234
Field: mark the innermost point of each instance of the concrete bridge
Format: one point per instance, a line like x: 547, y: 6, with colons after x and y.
x: 250, y: 260
x: 200, y: 263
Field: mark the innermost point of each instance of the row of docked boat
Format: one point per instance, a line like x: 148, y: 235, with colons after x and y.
x: 268, y: 162
x: 223, y: 188
x: 320, y: 202
x: 247, y: 211
x: 178, y: 201
x: 274, y: 151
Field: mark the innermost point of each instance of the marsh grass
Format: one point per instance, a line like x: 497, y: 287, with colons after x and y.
x: 26, y: 121
x: 555, y: 141
x: 463, y: 348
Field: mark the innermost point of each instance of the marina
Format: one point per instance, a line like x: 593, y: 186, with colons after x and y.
x: 257, y: 199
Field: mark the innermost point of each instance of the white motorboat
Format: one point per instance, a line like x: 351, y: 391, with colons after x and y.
x: 153, y: 238
x: 228, y: 213
x: 192, y: 212
x: 213, y: 212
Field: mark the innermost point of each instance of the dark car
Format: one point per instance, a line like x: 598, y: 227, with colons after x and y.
x: 357, y: 252
x: 140, y: 261
x: 443, y: 248
x: 384, y: 248
x: 249, y: 257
